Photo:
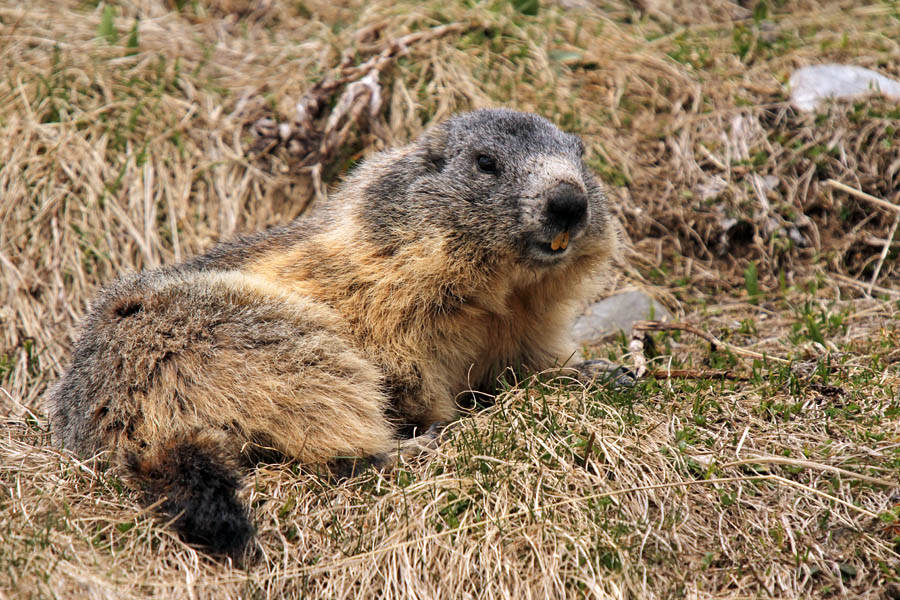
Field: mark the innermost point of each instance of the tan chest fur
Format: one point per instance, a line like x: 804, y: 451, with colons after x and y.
x: 419, y: 315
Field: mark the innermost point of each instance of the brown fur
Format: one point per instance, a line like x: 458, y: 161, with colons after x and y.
x: 328, y: 337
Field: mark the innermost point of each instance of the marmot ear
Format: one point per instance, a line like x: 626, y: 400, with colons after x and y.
x: 435, y: 145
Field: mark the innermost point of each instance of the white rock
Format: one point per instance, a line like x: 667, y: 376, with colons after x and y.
x: 810, y: 85
x: 616, y: 313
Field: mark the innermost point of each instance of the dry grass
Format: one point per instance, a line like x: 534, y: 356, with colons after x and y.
x: 117, y: 156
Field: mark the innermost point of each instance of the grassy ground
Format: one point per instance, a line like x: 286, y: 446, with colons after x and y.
x: 137, y: 133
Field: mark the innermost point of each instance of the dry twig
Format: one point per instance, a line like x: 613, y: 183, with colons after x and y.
x: 694, y: 374
x: 862, y: 195
x: 660, y: 326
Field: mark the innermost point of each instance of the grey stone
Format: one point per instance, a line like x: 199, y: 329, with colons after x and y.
x: 810, y: 85
x: 617, y: 313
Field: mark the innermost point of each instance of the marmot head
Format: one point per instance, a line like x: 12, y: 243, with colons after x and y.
x: 496, y: 185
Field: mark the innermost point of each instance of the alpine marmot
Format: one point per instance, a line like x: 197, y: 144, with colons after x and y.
x: 434, y: 268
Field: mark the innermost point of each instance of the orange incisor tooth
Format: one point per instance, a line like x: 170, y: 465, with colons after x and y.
x: 554, y: 245
x: 560, y: 241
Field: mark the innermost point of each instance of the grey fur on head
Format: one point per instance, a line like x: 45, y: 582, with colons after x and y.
x: 439, y: 185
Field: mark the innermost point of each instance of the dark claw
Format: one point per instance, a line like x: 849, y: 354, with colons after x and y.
x: 429, y: 440
x: 605, y: 372
x: 434, y: 432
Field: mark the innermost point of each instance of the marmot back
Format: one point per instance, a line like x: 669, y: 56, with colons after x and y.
x: 433, y: 268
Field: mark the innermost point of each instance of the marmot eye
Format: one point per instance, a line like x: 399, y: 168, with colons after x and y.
x: 486, y: 164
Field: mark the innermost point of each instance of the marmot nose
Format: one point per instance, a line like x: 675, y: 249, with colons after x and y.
x: 566, y: 207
